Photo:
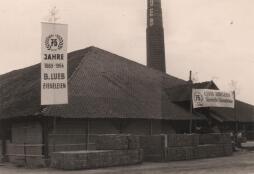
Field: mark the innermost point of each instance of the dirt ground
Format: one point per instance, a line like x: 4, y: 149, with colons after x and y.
x: 239, y: 163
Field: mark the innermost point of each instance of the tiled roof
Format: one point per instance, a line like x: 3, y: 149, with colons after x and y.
x: 109, y: 86
x: 20, y: 89
x: 101, y: 85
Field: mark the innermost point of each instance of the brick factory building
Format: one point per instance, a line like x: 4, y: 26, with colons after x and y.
x: 108, y: 94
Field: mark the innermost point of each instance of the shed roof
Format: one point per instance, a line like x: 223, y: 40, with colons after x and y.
x: 183, y: 92
x: 243, y: 112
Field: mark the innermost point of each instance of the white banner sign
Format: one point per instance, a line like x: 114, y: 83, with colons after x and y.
x: 212, y: 98
x: 54, y: 64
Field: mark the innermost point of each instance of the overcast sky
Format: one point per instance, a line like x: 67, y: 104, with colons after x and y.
x: 214, y: 39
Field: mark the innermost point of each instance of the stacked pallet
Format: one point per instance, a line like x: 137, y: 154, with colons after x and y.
x: 177, y: 147
x: 77, y: 160
x: 66, y: 142
x: 181, y: 140
x: 109, y: 142
x: 198, y: 152
x: 153, y: 147
x: 111, y: 150
x: 114, y: 142
x: 29, y: 155
x: 214, y: 139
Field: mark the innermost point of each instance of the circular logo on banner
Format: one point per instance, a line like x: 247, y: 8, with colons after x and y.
x: 54, y: 42
x: 198, y: 98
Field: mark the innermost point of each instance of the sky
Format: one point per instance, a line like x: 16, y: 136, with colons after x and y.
x: 214, y: 39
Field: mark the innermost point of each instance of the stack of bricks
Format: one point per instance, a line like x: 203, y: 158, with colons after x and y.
x: 114, y: 142
x: 78, y: 160
x: 154, y: 147
x: 214, y: 139
x: 111, y: 150
x: 25, y: 155
x: 66, y: 142
x: 176, y: 147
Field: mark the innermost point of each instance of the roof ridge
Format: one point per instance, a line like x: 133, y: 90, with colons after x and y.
x: 78, y: 67
x: 94, y: 48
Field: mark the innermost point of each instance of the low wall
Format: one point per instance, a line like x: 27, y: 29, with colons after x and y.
x: 175, y: 147
x: 95, y: 159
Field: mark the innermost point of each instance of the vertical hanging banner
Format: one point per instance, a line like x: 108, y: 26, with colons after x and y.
x: 54, y: 88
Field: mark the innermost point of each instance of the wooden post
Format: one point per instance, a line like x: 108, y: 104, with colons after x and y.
x: 151, y: 127
x: 45, y: 135
x: 190, y: 126
x: 87, y: 133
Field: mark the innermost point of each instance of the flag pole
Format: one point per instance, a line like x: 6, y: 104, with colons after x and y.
x: 191, y: 109
x: 235, y: 114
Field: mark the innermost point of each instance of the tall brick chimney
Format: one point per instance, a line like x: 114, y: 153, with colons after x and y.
x: 155, y: 36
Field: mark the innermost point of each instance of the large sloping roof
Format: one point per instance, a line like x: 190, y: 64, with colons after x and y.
x: 101, y: 85
x: 20, y: 89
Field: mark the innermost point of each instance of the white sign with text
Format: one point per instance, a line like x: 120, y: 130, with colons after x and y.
x: 54, y: 89
x: 212, y: 98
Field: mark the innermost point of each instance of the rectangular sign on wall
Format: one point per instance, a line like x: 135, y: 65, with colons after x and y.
x: 212, y: 98
x: 54, y: 89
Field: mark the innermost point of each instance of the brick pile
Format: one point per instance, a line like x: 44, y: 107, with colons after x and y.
x: 177, y: 147
x: 29, y: 155
x: 66, y: 142
x: 179, y: 140
x: 95, y: 159
x: 114, y: 142
x: 109, y: 142
x: 214, y: 139
x: 153, y: 147
x: 111, y: 150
